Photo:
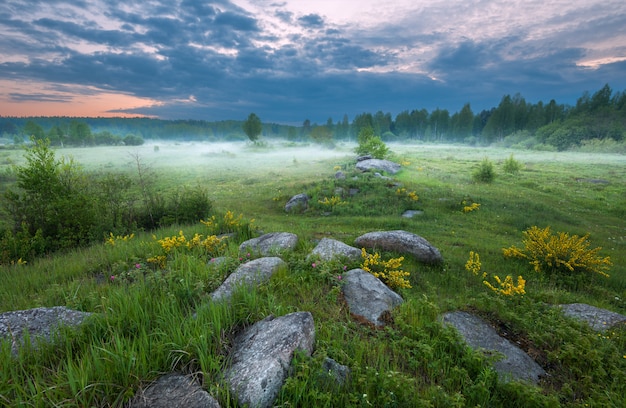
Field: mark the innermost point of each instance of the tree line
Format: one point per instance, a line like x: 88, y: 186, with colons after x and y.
x: 600, y: 115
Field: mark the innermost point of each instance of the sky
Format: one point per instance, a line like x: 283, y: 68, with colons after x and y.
x: 292, y: 60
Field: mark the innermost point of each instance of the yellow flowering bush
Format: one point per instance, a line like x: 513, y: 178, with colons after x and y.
x: 473, y: 264
x: 411, y: 195
x: 157, y: 261
x: 559, y: 253
x: 470, y: 207
x: 331, y: 202
x: 230, y: 221
x: 112, y: 239
x: 387, y: 271
x: 504, y: 287
x: 176, y: 241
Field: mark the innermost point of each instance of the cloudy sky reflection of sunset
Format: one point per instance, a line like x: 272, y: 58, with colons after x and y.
x: 292, y: 60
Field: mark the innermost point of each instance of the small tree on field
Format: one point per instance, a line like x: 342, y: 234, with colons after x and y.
x: 369, y: 143
x: 252, y: 127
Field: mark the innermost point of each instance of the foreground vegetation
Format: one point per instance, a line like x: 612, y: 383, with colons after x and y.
x: 145, y: 287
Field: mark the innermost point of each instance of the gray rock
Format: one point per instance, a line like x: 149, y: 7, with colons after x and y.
x: 365, y: 157
x: 328, y: 248
x: 262, y: 354
x: 515, y: 364
x: 339, y: 373
x: 599, y: 319
x: 340, y: 175
x: 174, y: 390
x: 298, y: 202
x: 248, y: 275
x: 377, y: 164
x: 403, y: 242
x: 270, y: 244
x: 41, y: 323
x: 380, y: 176
x: 368, y: 298
x: 216, y: 262
x: 412, y: 213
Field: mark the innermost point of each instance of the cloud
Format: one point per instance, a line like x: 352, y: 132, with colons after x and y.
x: 39, y: 97
x: 291, y: 60
x: 311, y: 21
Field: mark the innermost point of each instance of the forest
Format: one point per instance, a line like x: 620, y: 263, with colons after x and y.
x: 598, y: 118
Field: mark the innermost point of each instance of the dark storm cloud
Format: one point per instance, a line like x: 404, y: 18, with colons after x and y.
x: 287, y: 65
x: 39, y: 97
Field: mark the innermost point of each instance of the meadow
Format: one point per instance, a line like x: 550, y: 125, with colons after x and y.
x: 144, y: 326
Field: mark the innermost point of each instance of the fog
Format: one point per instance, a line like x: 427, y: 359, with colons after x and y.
x: 220, y: 155
x: 245, y: 157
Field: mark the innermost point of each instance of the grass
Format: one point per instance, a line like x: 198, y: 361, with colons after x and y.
x: 143, y: 325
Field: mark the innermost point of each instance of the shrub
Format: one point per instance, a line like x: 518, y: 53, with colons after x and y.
x: 504, y: 287
x: 511, y: 165
x: 371, y: 144
x: 387, y: 271
x: 133, y: 140
x: 485, y: 172
x: 560, y: 253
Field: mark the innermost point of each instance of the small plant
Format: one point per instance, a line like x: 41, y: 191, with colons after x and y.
x: 331, y: 202
x: 471, y: 207
x: 113, y: 239
x: 560, y: 253
x: 485, y: 172
x: 474, y: 265
x: 512, y: 166
x: 504, y: 287
x: 411, y: 195
x: 387, y: 271
x: 371, y: 144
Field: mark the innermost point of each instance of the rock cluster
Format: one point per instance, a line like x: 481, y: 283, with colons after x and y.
x: 261, y: 354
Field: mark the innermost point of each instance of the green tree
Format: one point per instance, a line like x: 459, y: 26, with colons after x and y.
x: 80, y: 134
x: 252, y: 127
x: 52, y: 198
x: 370, y: 143
x: 464, y: 123
x: 34, y: 130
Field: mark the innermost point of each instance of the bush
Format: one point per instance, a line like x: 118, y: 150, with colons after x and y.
x: 371, y: 144
x: 485, y: 173
x: 133, y: 140
x: 511, y: 165
x: 560, y: 253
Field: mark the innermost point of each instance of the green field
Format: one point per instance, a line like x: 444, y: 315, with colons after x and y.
x: 145, y: 328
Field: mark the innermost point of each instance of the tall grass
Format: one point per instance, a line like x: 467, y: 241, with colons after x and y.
x: 161, y: 321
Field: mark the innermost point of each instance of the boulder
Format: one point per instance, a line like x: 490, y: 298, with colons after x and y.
x: 270, y: 244
x: 334, y: 371
x: 402, y: 242
x: 262, y: 354
x: 515, y: 364
x: 328, y: 248
x: 599, y: 319
x: 368, y: 298
x: 340, y: 175
x: 378, y: 164
x: 248, y: 275
x: 412, y: 213
x: 298, y: 202
x: 174, y: 390
x: 41, y: 323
